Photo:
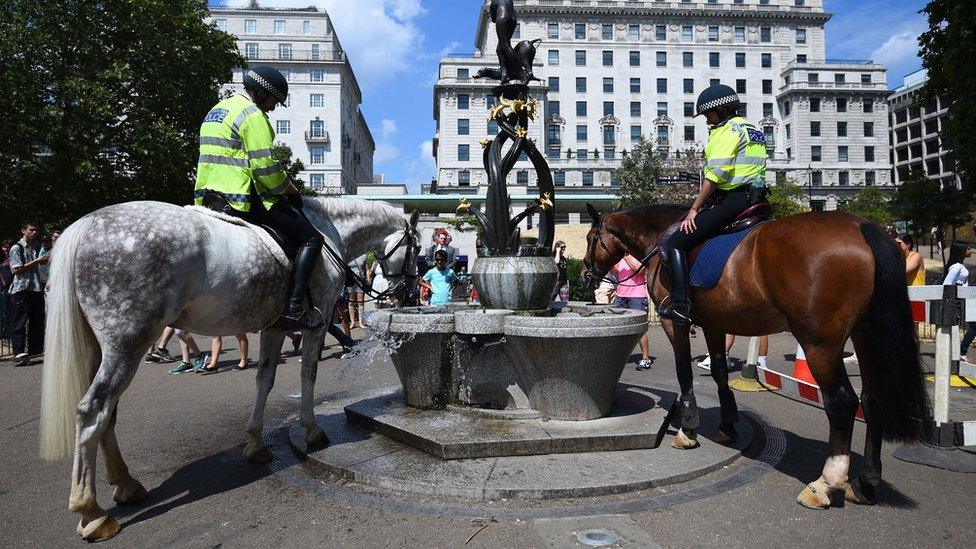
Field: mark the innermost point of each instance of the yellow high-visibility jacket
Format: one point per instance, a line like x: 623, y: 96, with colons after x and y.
x: 735, y: 155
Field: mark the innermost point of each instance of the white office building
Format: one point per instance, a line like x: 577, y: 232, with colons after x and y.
x: 321, y: 122
x: 914, y: 128
x: 614, y: 70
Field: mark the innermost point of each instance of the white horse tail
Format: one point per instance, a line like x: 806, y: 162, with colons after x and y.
x: 70, y: 349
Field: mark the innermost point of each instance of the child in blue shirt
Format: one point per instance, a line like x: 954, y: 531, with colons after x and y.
x: 439, y: 280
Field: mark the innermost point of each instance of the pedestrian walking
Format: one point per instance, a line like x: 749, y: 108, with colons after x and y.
x: 216, y: 346
x: 27, y: 295
x: 631, y: 293
x: 914, y: 264
x: 6, y: 279
x: 957, y: 274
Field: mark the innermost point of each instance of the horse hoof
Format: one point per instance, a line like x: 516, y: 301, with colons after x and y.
x: 100, y: 529
x: 316, y: 437
x: 726, y: 435
x: 860, y: 494
x: 257, y: 455
x: 684, y: 442
x: 130, y: 493
x: 813, y: 498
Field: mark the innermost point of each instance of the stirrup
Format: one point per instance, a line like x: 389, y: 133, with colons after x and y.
x: 307, y: 319
x: 671, y: 313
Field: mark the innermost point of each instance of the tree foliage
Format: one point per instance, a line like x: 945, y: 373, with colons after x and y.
x: 574, y: 274
x: 640, y: 174
x: 923, y: 203
x: 787, y: 198
x: 462, y: 223
x: 104, y: 102
x: 293, y: 166
x: 871, y: 203
x: 947, y: 51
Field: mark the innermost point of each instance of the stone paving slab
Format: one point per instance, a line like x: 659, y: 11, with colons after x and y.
x: 638, y: 420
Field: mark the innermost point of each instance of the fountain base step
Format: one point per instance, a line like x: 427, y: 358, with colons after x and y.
x: 638, y: 419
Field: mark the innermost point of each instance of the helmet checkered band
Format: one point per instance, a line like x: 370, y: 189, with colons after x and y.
x: 267, y: 86
x: 717, y: 103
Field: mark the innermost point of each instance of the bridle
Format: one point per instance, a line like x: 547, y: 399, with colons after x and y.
x: 591, y: 278
x: 404, y: 277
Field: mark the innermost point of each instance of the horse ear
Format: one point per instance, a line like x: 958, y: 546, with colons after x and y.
x: 414, y: 218
x: 593, y: 213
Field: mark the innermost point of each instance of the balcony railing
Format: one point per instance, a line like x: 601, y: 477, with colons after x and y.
x: 270, y: 54
x: 317, y: 136
x: 877, y: 86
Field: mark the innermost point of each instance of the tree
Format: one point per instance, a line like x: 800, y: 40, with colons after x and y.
x: 462, y: 223
x: 947, y: 52
x: 103, y: 103
x: 639, y: 173
x: 787, y: 197
x: 871, y: 203
x: 923, y: 203
x: 282, y: 153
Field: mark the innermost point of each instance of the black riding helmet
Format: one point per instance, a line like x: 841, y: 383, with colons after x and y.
x: 717, y: 96
x: 267, y: 80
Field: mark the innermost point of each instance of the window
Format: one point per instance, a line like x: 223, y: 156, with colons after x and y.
x: 464, y: 152
x: 587, y: 178
x: 609, y: 152
x: 317, y: 181
x: 839, y: 78
x: 608, y: 108
x: 713, y: 59
x: 522, y: 177
x: 635, y: 133
x: 608, y: 85
x: 869, y: 178
x: 552, y: 108
x: 582, y: 154
x: 635, y: 108
x: 580, y: 58
x: 607, y: 58
x: 559, y: 178
x: 815, y: 154
x: 844, y: 178
x: 633, y: 32
x: 581, y: 108
x: 740, y: 85
x: 769, y: 134
x: 518, y: 31
x: 842, y: 153
x: 552, y: 135
x: 869, y: 129
x: 222, y: 24
x: 250, y: 26
x: 816, y: 178
x: 686, y: 33
x: 765, y: 35
x: 689, y: 85
x: 814, y: 129
x: 813, y: 77
x: 662, y: 85
x: 284, y: 51
x: 464, y: 178
x: 283, y: 127
x: 789, y: 132
x: 581, y: 85
x: 662, y: 108
x: 767, y: 60
x: 315, y: 51
x: 767, y: 87
x: 660, y: 33
x: 814, y: 104
x: 798, y: 3
x: 687, y: 59
x: 740, y: 60
x: 714, y: 81
x: 554, y: 83
x: 740, y: 35
x: 635, y: 59
x: 801, y: 36
x: 606, y: 32
x: 492, y: 127
x: 553, y: 57
x: 463, y: 73
x: 865, y: 78
x: 609, y: 135
x: 868, y: 105
x: 316, y: 75
x: 251, y: 50
x: 869, y: 154
x: 842, y: 129
x: 464, y: 126
x: 689, y: 133
x: 316, y: 154
x: 767, y: 110
x: 316, y: 100
x: 552, y: 30
x: 662, y: 58
x: 279, y: 26
x: 786, y: 108
x: 713, y: 34
x: 635, y: 85
x: 316, y: 128
x: 662, y: 135
x: 689, y: 110
x: 841, y: 105
x: 464, y: 101
x: 580, y: 31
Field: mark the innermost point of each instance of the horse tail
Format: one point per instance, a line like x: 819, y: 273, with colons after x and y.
x: 70, y: 349
x: 896, y: 395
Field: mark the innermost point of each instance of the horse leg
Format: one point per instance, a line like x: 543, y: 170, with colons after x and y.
x: 93, y: 417
x: 686, y: 438
x: 861, y: 490
x: 314, y: 435
x: 840, y: 403
x: 271, y: 340
x: 720, y: 373
x: 128, y: 490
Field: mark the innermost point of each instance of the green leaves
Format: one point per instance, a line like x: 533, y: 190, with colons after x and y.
x: 787, y: 198
x: 871, y: 203
x: 925, y: 204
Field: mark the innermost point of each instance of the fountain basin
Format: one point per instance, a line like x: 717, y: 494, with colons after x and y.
x: 517, y: 283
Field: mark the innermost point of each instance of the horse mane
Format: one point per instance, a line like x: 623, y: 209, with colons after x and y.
x: 340, y: 208
x: 651, y: 209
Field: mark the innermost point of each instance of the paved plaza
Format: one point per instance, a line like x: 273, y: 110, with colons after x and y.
x: 182, y: 437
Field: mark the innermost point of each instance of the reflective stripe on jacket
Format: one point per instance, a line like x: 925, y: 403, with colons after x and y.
x: 736, y: 155
x: 235, y: 151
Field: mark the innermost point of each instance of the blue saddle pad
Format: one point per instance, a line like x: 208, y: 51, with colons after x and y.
x: 708, y: 266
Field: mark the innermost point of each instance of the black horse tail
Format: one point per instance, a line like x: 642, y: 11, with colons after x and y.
x: 896, y: 396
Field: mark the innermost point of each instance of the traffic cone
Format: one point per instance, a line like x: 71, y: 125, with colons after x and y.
x: 801, y: 370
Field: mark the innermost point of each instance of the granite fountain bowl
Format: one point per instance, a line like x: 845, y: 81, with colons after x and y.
x: 517, y: 283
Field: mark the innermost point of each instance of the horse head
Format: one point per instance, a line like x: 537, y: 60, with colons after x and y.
x: 603, y: 249
x: 399, y: 258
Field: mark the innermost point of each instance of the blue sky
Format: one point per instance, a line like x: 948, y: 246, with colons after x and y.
x: 394, y: 47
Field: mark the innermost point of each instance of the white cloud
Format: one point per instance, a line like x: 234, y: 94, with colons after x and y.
x: 422, y: 168
x: 898, y: 49
x: 385, y: 149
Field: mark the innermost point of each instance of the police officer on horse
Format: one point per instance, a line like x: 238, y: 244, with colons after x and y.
x: 238, y: 176
x: 735, y: 178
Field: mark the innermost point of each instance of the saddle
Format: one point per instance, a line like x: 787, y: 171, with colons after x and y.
x: 217, y: 202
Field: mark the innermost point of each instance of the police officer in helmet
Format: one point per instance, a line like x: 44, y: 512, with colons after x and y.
x: 735, y: 178
x: 237, y: 175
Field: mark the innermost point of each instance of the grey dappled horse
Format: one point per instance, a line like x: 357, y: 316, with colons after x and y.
x: 121, y: 274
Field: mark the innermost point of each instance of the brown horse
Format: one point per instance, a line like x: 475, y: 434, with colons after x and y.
x: 825, y: 277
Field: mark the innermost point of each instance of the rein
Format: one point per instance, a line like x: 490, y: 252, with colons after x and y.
x: 403, y: 277
x: 629, y: 242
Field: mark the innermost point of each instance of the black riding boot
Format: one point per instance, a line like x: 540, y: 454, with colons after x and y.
x: 679, y: 308
x: 304, y: 264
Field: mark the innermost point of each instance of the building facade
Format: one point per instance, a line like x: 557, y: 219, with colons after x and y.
x: 914, y: 128
x: 322, y: 122
x: 615, y: 70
